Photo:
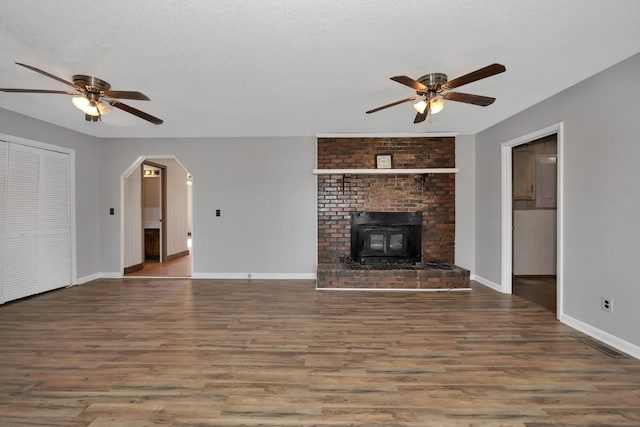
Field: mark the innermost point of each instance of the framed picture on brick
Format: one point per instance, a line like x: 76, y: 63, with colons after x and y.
x: 383, y: 161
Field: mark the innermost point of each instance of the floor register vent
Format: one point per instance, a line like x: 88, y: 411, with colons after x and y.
x: 602, y: 348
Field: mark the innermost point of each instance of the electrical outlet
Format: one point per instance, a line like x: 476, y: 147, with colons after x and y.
x: 607, y: 304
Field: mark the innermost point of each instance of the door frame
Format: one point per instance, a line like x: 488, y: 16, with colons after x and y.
x: 506, y: 280
x: 163, y: 210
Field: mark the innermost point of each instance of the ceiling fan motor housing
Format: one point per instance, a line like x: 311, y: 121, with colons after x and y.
x: 93, y: 86
x: 433, y: 81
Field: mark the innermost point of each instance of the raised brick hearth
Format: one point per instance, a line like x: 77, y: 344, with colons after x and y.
x: 433, y: 194
x: 356, y: 276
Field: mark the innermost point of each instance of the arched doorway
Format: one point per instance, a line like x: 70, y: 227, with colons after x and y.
x: 156, y: 226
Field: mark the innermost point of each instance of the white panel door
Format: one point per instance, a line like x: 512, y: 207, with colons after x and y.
x: 133, y: 254
x: 22, y: 223
x: 4, y: 157
x: 55, y: 241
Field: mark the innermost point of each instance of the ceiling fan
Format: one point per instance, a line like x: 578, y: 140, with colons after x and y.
x: 430, y: 90
x: 92, y: 95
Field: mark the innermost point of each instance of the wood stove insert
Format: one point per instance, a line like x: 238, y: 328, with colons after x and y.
x: 384, y: 238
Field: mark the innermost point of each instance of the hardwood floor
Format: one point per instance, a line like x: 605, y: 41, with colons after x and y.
x: 179, y: 267
x: 539, y: 290
x: 180, y: 352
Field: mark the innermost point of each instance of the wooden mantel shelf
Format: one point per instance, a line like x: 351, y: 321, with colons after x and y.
x: 383, y: 171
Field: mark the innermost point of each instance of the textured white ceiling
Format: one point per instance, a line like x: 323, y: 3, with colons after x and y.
x: 294, y: 67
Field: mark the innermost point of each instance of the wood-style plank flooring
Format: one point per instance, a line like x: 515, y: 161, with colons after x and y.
x: 179, y: 267
x: 154, y: 352
x: 539, y: 290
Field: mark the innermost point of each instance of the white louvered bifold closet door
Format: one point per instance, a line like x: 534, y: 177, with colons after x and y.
x: 35, y: 215
x: 55, y: 227
x: 23, y: 217
x: 4, y: 157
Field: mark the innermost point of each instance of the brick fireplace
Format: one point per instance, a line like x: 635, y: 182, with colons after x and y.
x: 342, y: 194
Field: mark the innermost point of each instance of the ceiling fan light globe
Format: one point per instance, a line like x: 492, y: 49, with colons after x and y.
x: 420, y: 106
x: 104, y: 108
x: 436, y: 105
x: 89, y: 107
x: 81, y: 103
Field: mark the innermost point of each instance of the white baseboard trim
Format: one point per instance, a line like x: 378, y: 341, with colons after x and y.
x: 486, y: 282
x: 96, y: 276
x: 256, y: 276
x: 85, y: 279
x: 225, y: 276
x: 111, y: 275
x: 155, y: 277
x: 607, y: 338
x: 395, y: 289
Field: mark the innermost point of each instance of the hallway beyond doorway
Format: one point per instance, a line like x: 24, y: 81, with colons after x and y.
x: 539, y: 289
x: 179, y: 267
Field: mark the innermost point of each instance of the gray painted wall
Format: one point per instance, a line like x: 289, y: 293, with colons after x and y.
x: 601, y: 203
x: 264, y: 188
x: 466, y: 202
x: 87, y: 151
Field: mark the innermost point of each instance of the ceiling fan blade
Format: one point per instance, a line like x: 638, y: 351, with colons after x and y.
x: 136, y: 112
x: 488, y: 71
x: 126, y: 94
x: 44, y: 73
x: 412, y: 98
x: 420, y: 117
x: 469, y: 98
x: 36, y: 91
x: 408, y: 81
